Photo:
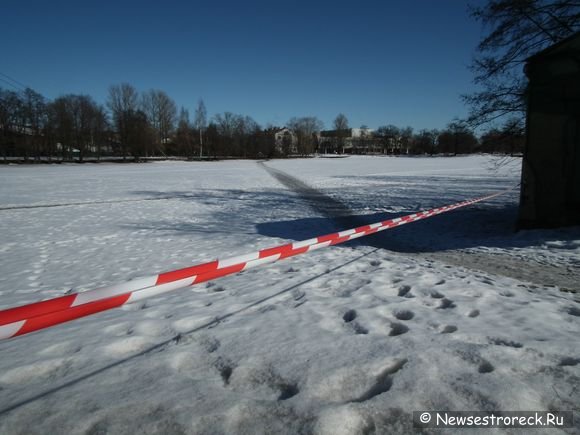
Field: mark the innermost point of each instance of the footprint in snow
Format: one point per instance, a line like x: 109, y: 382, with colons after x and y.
x: 287, y: 390
x: 211, y: 345
x: 225, y: 369
x: 398, y: 329
x: 569, y: 361
x: 446, y: 304
x: 267, y: 380
x: 503, y: 342
x: 472, y: 313
x: 405, y: 291
x: 448, y: 329
x: 485, y: 367
x: 382, y: 383
x: 349, y: 318
x: 359, y: 329
x: 404, y: 314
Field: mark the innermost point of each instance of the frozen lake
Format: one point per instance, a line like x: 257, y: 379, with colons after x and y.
x: 454, y: 312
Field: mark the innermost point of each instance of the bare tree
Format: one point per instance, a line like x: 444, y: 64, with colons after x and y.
x: 305, y: 129
x: 123, y: 102
x: 61, y: 125
x: 235, y: 133
x: 84, y: 109
x: 183, y: 134
x: 266, y: 142
x: 516, y: 29
x: 457, y: 138
x: 140, y: 134
x: 212, y: 140
x: 406, y: 139
x: 77, y: 122
x: 161, y: 112
x: 508, y: 140
x: 426, y: 142
x: 247, y: 130
x: 34, y: 120
x: 341, y: 129
x: 227, y: 126
x: 200, y: 123
x: 10, y: 110
x: 226, y: 123
x: 390, y: 135
x: 99, y: 127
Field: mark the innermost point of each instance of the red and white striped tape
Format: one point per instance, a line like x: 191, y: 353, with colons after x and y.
x: 32, y: 317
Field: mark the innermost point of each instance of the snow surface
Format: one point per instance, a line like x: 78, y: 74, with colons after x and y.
x: 456, y: 312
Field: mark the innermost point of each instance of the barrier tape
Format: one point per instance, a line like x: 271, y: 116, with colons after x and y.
x: 39, y: 315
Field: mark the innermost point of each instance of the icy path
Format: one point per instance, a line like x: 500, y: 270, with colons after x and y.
x: 523, y: 268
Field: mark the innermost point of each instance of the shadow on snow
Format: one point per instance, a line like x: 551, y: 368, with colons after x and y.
x: 248, y: 212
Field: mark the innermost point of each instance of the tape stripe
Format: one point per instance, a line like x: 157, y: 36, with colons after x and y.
x: 186, y: 272
x: 52, y: 319
x: 12, y: 315
x: 115, y: 290
x: 10, y: 329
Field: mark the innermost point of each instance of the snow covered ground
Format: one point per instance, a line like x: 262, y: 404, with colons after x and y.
x: 456, y: 312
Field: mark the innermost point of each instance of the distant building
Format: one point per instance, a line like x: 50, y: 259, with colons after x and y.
x: 350, y: 141
x: 285, y: 140
x: 550, y: 194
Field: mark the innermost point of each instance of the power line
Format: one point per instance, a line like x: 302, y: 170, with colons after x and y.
x: 22, y: 85
x: 18, y: 85
x: 10, y: 84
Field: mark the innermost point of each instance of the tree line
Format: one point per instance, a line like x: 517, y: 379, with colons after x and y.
x: 456, y: 138
x: 135, y: 124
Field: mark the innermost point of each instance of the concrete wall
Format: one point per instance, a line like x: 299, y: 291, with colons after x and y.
x: 551, y: 168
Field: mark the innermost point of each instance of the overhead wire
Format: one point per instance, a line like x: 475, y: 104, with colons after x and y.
x: 13, y: 80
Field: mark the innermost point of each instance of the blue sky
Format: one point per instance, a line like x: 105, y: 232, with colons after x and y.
x: 379, y: 62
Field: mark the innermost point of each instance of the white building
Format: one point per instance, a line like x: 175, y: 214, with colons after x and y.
x: 286, y: 141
